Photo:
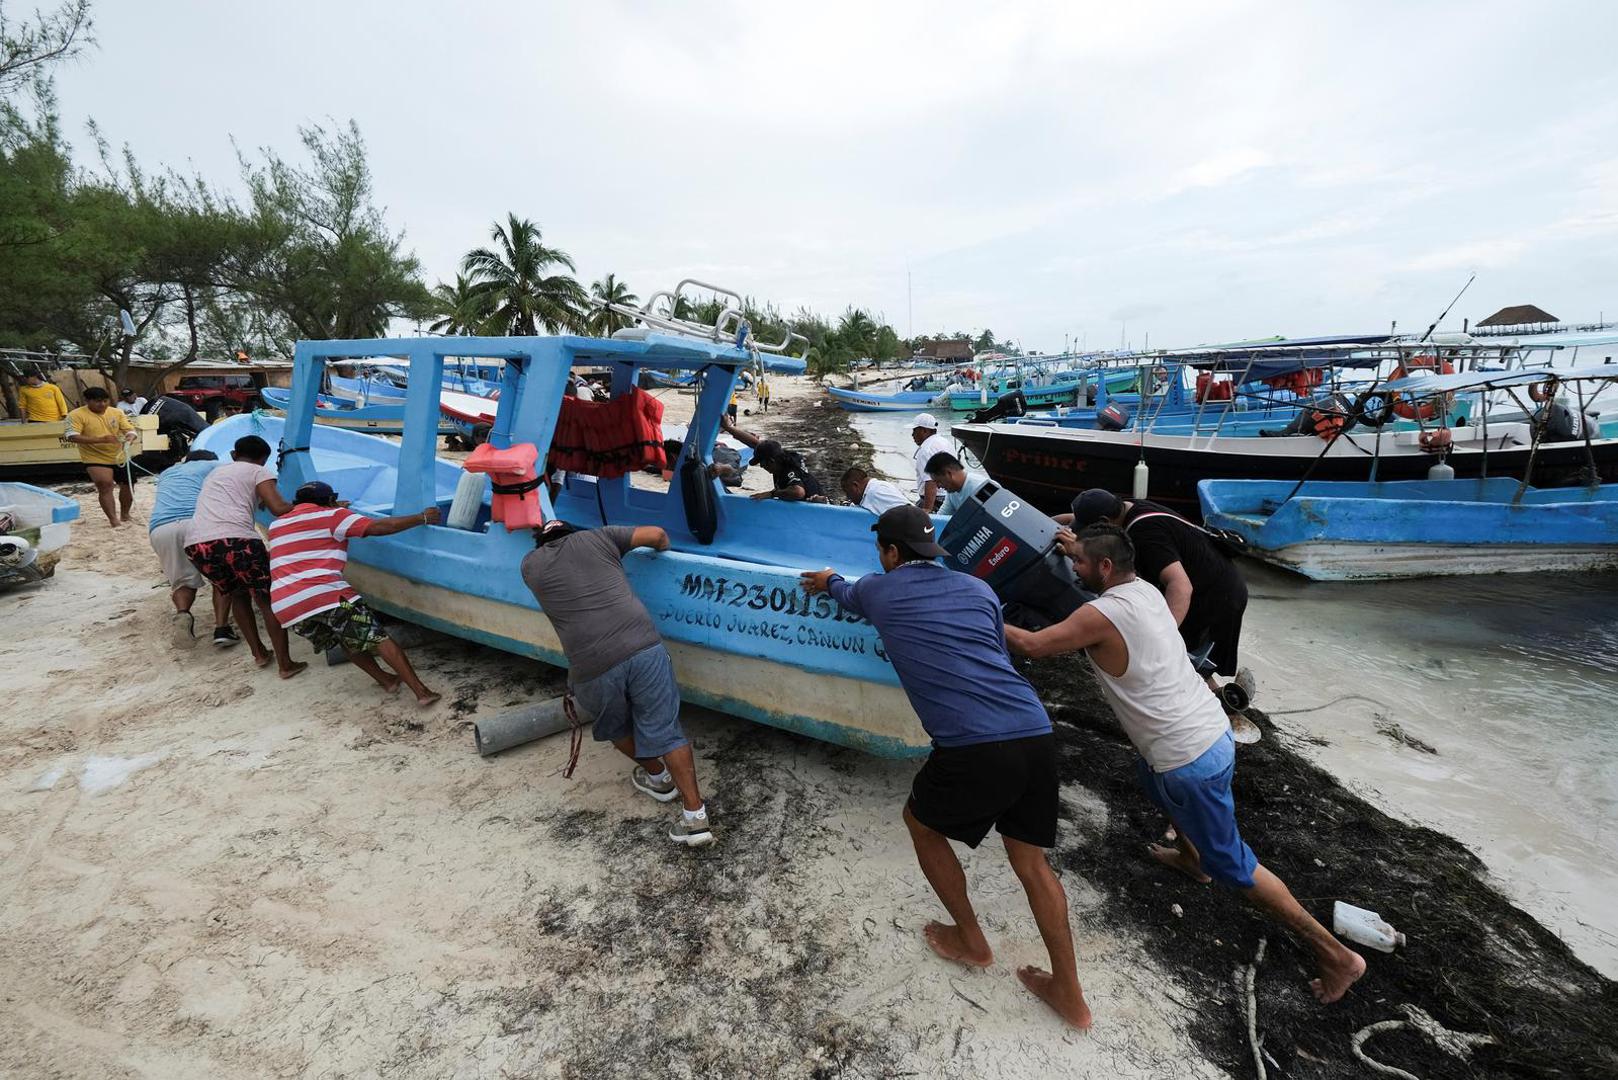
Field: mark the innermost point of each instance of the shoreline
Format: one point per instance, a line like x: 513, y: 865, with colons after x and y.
x: 234, y: 873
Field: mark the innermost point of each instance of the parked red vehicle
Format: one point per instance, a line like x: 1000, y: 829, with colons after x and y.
x: 214, y: 395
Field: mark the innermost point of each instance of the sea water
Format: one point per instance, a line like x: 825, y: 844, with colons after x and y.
x: 1512, y: 680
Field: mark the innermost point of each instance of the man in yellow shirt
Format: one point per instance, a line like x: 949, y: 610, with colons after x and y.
x: 41, y: 400
x: 101, y: 432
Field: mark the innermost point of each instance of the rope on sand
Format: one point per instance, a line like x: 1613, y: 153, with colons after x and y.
x: 1455, y: 1043
x: 1247, y: 974
x: 1329, y: 704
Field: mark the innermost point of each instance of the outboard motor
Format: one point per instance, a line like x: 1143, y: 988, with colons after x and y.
x: 1012, y: 547
x: 1013, y: 404
x: 1114, y: 417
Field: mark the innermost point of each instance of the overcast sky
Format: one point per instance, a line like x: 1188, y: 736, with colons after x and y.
x: 1203, y: 172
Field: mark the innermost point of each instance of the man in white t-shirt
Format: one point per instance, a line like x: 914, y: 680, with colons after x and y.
x: 224, y: 543
x: 956, y: 481
x: 870, y: 492
x: 129, y: 402
x: 928, y: 442
x: 1186, y: 755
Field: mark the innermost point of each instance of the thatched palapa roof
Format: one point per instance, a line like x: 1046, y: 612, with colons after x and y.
x: 1520, y: 315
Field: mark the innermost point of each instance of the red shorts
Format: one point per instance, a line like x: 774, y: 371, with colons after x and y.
x: 233, y: 563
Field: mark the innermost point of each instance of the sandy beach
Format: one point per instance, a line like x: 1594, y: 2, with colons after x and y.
x: 210, y: 871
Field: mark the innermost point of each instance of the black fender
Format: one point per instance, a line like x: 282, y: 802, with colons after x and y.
x: 701, y: 504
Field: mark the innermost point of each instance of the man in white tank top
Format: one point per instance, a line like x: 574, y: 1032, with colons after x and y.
x: 1187, y: 757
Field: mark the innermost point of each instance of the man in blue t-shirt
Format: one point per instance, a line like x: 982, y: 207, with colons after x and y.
x: 176, y: 502
x: 994, y: 758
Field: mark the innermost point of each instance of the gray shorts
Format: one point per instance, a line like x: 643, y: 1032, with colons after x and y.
x: 169, y: 543
x: 636, y: 697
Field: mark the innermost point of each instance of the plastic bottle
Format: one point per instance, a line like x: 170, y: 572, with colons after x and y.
x: 1364, y: 927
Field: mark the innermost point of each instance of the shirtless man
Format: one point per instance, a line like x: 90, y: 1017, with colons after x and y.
x: 1187, y: 756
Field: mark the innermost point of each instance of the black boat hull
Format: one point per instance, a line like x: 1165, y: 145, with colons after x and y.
x: 1048, y: 470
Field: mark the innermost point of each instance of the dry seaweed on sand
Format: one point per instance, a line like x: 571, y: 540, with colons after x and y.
x: 1474, y: 961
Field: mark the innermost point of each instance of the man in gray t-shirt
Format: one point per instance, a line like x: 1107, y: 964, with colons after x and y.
x: 618, y: 669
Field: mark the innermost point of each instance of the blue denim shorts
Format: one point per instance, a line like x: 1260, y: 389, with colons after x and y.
x: 636, y: 697
x: 1197, y: 797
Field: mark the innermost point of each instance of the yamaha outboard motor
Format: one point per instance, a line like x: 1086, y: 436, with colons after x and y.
x: 1114, y: 417
x: 1012, y: 547
x: 177, y: 420
x: 1013, y: 404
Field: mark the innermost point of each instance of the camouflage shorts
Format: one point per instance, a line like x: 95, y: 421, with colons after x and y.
x: 350, y: 625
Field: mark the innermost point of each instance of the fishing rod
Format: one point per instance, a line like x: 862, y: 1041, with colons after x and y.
x: 1446, y: 311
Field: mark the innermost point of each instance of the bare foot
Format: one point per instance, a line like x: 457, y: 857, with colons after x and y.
x: 296, y: 668
x: 390, y: 684
x: 1068, y: 1003
x: 1337, y: 977
x: 427, y: 699
x: 1175, y: 859
x: 945, y: 940
x: 261, y: 660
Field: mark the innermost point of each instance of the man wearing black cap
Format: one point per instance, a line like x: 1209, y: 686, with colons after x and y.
x: 310, y: 596
x: 1204, y: 590
x: 793, y: 480
x: 993, y: 763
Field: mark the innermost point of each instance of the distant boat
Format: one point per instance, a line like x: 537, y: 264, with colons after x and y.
x: 1049, y: 465
x: 744, y: 637
x: 1417, y: 528
x: 870, y: 401
x: 345, y: 413
x: 1334, y: 531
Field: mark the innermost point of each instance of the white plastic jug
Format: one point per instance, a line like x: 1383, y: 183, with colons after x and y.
x: 1364, y: 927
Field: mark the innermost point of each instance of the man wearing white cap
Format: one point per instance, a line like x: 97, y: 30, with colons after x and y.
x: 928, y: 442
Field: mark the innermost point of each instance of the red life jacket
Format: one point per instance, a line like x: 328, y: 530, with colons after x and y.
x: 608, y: 439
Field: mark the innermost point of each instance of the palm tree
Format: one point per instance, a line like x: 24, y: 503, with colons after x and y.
x: 462, y: 308
x: 603, y: 321
x: 521, y: 294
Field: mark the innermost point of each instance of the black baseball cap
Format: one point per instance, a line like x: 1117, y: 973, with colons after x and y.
x: 910, y: 526
x: 1091, y: 506
x: 315, y: 491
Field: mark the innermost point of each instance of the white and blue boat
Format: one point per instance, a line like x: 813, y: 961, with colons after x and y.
x: 1440, y: 526
x: 873, y: 401
x: 34, y: 527
x: 340, y: 412
x: 744, y: 637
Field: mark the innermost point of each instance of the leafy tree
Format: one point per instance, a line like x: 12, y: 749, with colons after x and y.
x: 887, y: 344
x: 857, y: 332
x: 603, y: 322
x: 517, y: 276
x: 316, y: 255
x: 29, y: 48
x: 984, y: 342
x: 462, y: 308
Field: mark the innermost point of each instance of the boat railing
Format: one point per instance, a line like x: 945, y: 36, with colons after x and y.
x: 731, y: 322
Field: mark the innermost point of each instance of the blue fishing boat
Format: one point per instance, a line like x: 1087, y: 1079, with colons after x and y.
x: 1344, y: 530
x: 744, y: 637
x: 341, y: 412
x: 1040, y: 391
x: 871, y: 401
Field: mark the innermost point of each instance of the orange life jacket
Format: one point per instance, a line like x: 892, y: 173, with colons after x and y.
x: 516, y: 485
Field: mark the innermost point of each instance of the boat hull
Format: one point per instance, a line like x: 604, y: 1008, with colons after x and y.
x: 1048, y: 467
x: 904, y: 401
x: 871, y: 717
x: 1422, y: 528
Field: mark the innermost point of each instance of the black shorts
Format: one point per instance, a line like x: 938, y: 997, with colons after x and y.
x: 963, y: 791
x: 1218, y: 620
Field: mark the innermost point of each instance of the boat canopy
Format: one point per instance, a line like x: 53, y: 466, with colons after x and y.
x: 1435, y: 385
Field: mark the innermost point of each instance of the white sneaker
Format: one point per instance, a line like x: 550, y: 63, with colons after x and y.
x: 661, y: 790
x: 692, y: 832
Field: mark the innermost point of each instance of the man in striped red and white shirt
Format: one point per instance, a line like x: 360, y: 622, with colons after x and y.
x: 310, y: 596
